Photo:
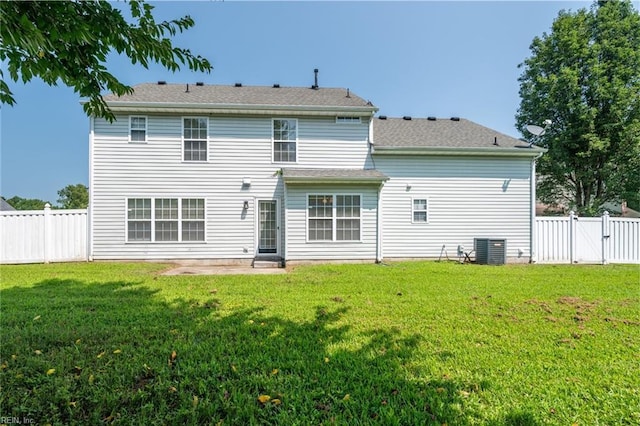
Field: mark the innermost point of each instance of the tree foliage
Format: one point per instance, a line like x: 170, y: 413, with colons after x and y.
x: 74, y: 197
x: 20, y: 203
x: 69, y: 41
x: 585, y: 77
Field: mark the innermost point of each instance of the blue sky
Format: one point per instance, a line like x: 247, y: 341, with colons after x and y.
x: 409, y: 58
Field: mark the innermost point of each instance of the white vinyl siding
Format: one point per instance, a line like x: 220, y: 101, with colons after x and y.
x: 238, y: 147
x: 285, y: 140
x: 299, y: 247
x: 137, y: 129
x: 195, y: 138
x: 468, y: 197
x: 162, y: 219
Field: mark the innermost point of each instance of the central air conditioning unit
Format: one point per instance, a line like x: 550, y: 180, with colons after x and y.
x: 490, y: 251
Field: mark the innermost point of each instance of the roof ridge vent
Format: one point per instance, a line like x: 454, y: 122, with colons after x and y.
x: 276, y: 86
x: 431, y: 118
x: 407, y: 118
x: 382, y: 117
x: 455, y: 118
x: 199, y: 83
x: 238, y: 85
x: 161, y: 82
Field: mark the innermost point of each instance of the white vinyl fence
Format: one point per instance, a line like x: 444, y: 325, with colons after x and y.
x: 36, y: 236
x: 576, y: 239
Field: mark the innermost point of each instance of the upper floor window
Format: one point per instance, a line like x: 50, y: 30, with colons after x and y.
x: 420, y: 210
x: 137, y: 129
x: 195, y: 137
x: 348, y: 120
x: 285, y: 140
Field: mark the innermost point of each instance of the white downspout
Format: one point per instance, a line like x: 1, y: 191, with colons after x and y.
x: 379, y: 220
x: 379, y: 212
x: 286, y: 220
x: 532, y: 225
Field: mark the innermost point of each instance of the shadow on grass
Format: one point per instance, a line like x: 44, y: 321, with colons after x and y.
x: 78, y: 353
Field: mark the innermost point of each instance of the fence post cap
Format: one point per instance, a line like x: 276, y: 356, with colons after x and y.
x: 47, y: 206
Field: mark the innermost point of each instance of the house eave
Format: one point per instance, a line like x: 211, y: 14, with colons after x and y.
x: 202, y: 108
x: 334, y: 180
x: 464, y: 152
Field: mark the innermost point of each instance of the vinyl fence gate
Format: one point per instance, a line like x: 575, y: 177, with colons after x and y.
x: 577, y: 239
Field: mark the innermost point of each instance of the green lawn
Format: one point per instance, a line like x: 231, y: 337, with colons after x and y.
x: 406, y: 343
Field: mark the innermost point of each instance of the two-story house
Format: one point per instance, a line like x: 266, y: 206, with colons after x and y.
x: 234, y: 173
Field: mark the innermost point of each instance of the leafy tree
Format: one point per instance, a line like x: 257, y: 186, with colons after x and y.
x: 74, y: 197
x: 20, y: 203
x: 69, y: 41
x: 585, y: 77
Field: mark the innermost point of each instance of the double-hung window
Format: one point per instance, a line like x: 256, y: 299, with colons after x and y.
x: 285, y: 140
x: 137, y: 129
x: 334, y: 217
x: 195, y: 137
x: 193, y: 219
x: 320, y: 218
x: 139, y: 219
x: 347, y: 217
x: 165, y: 219
x: 420, y: 211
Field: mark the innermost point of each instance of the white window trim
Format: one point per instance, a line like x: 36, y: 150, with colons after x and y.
x: 334, y: 218
x: 206, y: 140
x: 413, y: 210
x: 273, y: 140
x: 146, y: 128
x: 153, y: 219
x: 348, y: 120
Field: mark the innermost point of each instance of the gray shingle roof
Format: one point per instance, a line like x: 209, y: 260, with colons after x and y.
x: 245, y: 95
x: 5, y: 207
x: 439, y: 133
x: 291, y: 175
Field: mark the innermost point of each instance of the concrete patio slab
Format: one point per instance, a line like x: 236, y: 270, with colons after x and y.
x: 222, y: 270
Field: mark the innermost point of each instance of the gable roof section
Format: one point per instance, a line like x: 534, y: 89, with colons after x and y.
x: 166, y: 96
x: 5, y: 207
x: 445, y: 137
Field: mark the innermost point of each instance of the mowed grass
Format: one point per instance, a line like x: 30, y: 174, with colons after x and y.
x: 406, y: 343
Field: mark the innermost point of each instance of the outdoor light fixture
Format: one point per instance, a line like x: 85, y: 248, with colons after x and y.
x: 245, y: 205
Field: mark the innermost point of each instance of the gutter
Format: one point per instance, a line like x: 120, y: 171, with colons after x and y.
x: 455, y: 151
x: 203, y: 108
x: 330, y: 180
